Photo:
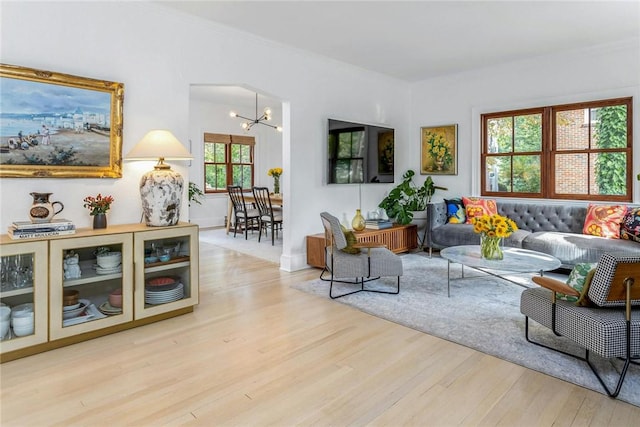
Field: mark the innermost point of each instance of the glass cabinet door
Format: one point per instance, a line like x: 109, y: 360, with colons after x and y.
x: 23, y: 295
x: 91, y: 283
x: 166, y: 270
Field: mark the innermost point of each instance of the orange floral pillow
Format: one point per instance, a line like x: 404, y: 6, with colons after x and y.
x: 604, y: 220
x: 475, y: 206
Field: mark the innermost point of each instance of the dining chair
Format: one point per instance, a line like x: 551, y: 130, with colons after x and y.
x: 268, y: 215
x: 242, y: 214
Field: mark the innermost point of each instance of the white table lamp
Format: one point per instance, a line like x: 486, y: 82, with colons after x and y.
x: 160, y: 189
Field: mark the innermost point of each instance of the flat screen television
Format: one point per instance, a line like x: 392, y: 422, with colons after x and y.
x: 359, y: 153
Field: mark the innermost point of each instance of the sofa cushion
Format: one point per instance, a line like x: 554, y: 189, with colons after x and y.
x: 475, y: 206
x: 630, y: 227
x: 516, y: 238
x: 571, y: 248
x: 456, y: 214
x: 604, y: 220
x: 455, y: 235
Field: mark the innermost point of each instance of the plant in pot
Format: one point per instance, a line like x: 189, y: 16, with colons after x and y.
x: 407, y: 198
x: 195, y: 194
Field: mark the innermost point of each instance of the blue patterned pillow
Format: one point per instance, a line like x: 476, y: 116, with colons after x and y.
x: 456, y: 213
x: 630, y: 226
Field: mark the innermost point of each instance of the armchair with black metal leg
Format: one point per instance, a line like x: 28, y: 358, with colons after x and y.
x: 369, y: 262
x: 605, y: 320
x: 241, y: 213
x: 268, y: 216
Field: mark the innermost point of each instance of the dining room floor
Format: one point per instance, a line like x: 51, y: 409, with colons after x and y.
x: 250, y: 246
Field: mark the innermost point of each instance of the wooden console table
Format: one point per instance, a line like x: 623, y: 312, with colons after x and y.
x: 399, y: 238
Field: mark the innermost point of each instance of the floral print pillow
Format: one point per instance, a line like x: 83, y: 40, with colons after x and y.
x: 476, y: 206
x: 630, y: 227
x: 604, y: 221
x: 578, y: 279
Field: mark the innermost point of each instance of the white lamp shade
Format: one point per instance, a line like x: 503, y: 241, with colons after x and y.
x: 159, y: 144
x: 160, y: 189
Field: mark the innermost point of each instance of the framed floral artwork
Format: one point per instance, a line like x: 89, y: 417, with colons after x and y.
x: 55, y: 125
x: 385, y: 153
x: 439, y: 150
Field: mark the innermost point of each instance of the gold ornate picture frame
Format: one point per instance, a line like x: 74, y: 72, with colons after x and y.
x: 439, y: 150
x: 55, y: 125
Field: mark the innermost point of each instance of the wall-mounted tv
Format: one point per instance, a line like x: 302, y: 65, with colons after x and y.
x: 359, y: 153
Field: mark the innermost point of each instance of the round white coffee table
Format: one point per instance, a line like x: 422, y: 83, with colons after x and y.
x: 515, y: 260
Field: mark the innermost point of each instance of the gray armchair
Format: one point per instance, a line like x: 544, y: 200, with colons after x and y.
x: 610, y: 328
x: 372, y: 262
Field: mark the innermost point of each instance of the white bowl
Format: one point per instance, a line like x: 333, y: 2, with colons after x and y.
x: 109, y: 260
x: 5, y: 313
x: 22, y: 315
x: 4, y: 327
x: 26, y: 307
x: 22, y: 321
x: 22, y: 331
x: 70, y: 307
x: 70, y: 314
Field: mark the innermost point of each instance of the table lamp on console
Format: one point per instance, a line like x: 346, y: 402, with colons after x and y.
x: 161, y: 188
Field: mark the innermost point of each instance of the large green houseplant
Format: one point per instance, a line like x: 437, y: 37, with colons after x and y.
x: 407, y: 198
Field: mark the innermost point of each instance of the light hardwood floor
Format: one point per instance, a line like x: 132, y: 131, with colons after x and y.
x: 256, y: 352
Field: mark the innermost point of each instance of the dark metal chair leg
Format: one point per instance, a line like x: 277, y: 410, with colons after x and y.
x: 628, y: 359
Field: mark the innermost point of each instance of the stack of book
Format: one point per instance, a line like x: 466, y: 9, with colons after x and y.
x: 378, y: 224
x: 31, y: 230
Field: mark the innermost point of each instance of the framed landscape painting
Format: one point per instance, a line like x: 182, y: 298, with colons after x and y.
x: 439, y: 150
x: 59, y: 126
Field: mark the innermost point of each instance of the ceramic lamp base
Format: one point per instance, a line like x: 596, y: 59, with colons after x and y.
x: 161, y: 193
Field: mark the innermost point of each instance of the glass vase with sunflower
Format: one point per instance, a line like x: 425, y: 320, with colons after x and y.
x: 492, y: 229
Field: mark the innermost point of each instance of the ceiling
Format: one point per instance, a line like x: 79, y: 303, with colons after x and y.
x: 417, y: 40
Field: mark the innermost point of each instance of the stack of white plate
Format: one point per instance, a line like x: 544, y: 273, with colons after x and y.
x: 110, y: 270
x: 109, y: 263
x: 108, y: 309
x: 71, y: 311
x: 163, y: 294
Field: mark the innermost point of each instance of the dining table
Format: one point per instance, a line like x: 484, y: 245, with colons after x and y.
x: 276, y: 200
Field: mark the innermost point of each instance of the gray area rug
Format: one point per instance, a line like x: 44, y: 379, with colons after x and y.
x: 482, y: 313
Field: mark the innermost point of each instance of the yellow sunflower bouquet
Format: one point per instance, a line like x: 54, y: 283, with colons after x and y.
x: 492, y: 229
x: 275, y: 173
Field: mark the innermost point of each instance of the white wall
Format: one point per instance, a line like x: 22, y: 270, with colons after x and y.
x: 602, y: 72
x: 158, y: 53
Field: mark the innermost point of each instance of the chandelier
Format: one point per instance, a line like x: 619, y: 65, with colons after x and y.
x: 265, y: 117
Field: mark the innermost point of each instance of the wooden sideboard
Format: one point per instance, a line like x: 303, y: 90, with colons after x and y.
x: 399, y: 238
x: 45, y: 280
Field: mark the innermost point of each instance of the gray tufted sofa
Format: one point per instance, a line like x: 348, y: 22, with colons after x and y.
x: 552, y: 229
